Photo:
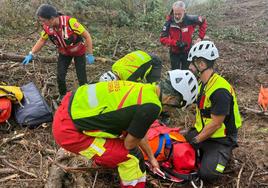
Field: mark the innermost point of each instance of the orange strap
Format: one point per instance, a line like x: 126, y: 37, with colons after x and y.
x: 263, y: 98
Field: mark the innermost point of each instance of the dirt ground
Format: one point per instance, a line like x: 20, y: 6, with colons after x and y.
x: 26, y: 155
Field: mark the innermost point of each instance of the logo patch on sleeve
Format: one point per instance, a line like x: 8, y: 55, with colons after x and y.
x: 184, y: 29
x: 76, y: 24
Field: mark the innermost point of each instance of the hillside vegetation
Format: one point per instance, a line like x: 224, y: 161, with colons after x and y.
x: 238, y: 27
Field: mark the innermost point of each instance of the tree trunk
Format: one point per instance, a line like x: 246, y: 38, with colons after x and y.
x: 20, y: 58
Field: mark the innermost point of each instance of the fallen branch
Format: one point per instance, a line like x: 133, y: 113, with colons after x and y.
x: 56, y: 174
x: 261, y: 174
x: 80, y: 181
x: 259, y: 112
x: 55, y: 105
x: 77, y: 169
x: 115, y: 48
x: 6, y: 140
x: 9, y: 177
x: 95, y: 179
x: 44, y: 90
x: 250, y: 178
x: 239, y: 176
x: 6, y: 170
x: 17, y: 168
x: 20, y: 58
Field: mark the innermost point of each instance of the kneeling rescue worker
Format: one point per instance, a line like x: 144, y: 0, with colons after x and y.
x: 217, y: 113
x: 137, y: 66
x: 107, y: 122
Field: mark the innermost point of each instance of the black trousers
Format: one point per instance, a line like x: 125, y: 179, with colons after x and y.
x: 179, y: 61
x: 214, y: 156
x: 62, y: 67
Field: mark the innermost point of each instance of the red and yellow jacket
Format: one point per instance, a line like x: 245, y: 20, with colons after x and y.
x: 67, y: 37
x: 183, y: 32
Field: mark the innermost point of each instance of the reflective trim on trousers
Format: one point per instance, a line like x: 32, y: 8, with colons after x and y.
x: 130, y: 172
x: 96, y: 148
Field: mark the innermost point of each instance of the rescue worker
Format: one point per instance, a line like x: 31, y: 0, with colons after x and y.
x: 72, y: 40
x: 107, y: 121
x: 217, y: 113
x: 177, y: 34
x: 135, y: 66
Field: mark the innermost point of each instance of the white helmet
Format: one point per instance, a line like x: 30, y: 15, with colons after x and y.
x: 185, y: 83
x: 205, y: 49
x: 108, y: 76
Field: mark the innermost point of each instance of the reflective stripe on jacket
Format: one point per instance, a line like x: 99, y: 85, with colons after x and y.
x: 104, y: 97
x: 183, y: 32
x: 66, y: 40
x: 216, y: 82
x: 109, y: 153
x: 130, y: 63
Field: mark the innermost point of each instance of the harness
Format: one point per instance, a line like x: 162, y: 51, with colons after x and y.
x: 167, y: 171
x: 168, y: 144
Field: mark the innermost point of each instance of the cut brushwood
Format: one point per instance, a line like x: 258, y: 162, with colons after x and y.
x: 19, y: 58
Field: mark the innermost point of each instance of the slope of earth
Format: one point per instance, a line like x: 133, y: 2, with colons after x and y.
x: 241, y: 33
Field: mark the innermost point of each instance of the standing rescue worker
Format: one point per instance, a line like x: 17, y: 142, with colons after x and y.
x: 135, y: 66
x: 217, y: 113
x: 177, y: 33
x: 107, y: 121
x: 72, y: 40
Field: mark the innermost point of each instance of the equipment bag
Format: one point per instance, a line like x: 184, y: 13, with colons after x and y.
x: 13, y: 93
x: 34, y: 110
x: 176, y: 157
x: 5, y: 109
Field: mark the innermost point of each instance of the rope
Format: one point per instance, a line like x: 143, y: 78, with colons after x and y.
x: 193, y: 182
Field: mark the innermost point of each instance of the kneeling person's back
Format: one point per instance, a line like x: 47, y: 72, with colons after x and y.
x: 114, y: 107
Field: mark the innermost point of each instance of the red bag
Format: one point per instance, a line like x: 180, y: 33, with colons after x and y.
x: 5, y: 109
x: 183, y: 158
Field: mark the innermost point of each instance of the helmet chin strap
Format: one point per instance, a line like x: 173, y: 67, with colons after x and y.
x: 199, y: 72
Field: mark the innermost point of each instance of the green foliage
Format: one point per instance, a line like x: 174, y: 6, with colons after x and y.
x: 153, y: 19
x: 117, y: 42
x: 122, y: 19
x: 234, y: 33
x: 126, y: 23
x: 15, y: 15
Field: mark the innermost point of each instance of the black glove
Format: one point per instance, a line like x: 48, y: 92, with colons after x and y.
x: 181, y: 45
x: 194, y: 143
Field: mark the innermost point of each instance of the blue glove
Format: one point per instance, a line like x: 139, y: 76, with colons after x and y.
x: 90, y: 58
x: 27, y: 59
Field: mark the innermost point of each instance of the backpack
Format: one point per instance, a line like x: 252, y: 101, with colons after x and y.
x: 176, y: 157
x: 34, y: 109
x: 5, y: 109
x: 8, y: 95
